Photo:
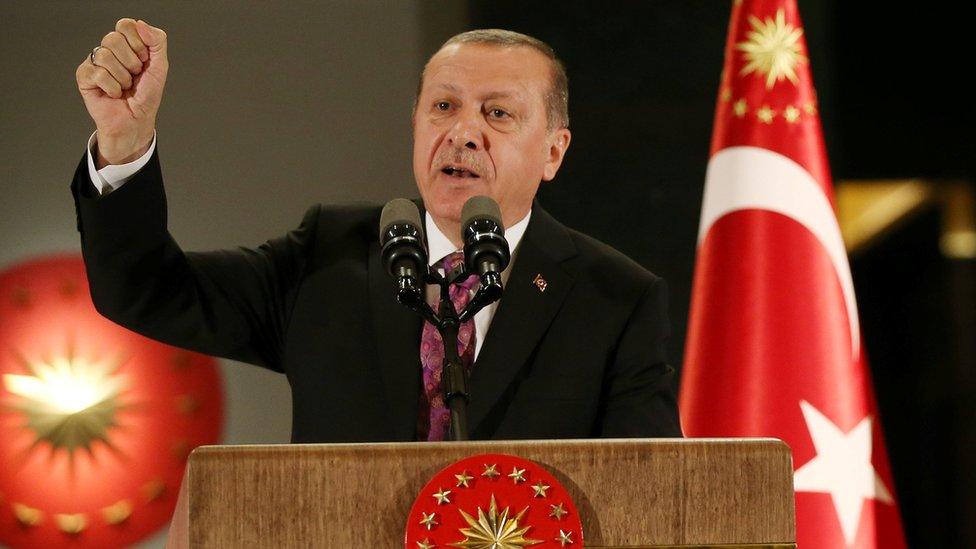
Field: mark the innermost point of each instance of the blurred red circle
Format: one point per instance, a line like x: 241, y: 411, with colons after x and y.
x: 96, y: 421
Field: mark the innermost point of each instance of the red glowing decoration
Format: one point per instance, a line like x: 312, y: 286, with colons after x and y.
x: 96, y: 421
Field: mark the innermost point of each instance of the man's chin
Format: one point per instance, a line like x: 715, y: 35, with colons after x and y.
x: 446, y: 210
x: 447, y: 206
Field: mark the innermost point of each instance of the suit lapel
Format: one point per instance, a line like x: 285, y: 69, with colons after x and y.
x: 397, y: 339
x: 524, y: 312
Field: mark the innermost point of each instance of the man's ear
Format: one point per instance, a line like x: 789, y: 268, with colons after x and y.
x: 558, y: 143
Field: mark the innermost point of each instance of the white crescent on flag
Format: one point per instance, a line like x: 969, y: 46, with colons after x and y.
x: 753, y: 178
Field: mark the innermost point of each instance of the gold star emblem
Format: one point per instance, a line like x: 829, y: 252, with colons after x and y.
x: 71, y: 524
x: 810, y: 109
x: 540, y: 490
x: 726, y: 95
x: 187, y: 405
x: 494, y: 530
x: 117, y: 513
x: 68, y: 289
x: 428, y: 520
x: 740, y: 108
x: 70, y: 403
x: 766, y: 114
x: 27, y: 516
x: 491, y: 471
x: 152, y: 490
x: 772, y: 49
x: 565, y: 538
x: 441, y: 496
x: 426, y: 544
x: 463, y: 479
x: 517, y: 475
x: 558, y: 511
x: 791, y: 114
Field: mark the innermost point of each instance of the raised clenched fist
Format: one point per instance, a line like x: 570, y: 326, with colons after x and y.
x: 122, y: 82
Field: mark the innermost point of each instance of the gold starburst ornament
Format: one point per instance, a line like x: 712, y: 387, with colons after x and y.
x: 772, y: 49
x: 69, y: 402
x: 494, y: 530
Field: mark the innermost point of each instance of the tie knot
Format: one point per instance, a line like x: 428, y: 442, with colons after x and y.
x: 452, y: 262
x: 452, y: 265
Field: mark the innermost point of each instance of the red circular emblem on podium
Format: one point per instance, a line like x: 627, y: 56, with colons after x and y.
x: 493, y: 501
x: 96, y: 421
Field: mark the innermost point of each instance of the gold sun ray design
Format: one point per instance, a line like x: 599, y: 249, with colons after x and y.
x: 772, y: 49
x: 67, y: 401
x: 494, y: 530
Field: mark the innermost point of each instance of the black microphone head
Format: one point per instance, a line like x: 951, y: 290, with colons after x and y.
x: 485, y: 247
x: 402, y: 238
x: 400, y: 211
x: 481, y: 207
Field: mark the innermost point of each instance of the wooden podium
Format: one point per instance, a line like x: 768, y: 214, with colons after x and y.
x: 630, y: 492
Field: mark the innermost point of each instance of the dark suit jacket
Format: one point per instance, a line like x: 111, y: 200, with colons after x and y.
x: 583, y: 358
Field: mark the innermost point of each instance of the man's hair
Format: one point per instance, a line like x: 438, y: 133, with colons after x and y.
x: 557, y: 97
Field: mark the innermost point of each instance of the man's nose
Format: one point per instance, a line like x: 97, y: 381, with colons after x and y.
x: 467, y: 133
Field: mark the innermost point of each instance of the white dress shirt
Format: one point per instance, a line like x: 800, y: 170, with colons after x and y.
x: 439, y: 246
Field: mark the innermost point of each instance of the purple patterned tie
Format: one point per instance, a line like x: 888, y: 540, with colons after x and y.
x: 434, y: 419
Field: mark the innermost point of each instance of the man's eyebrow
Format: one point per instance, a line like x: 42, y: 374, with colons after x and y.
x: 502, y: 94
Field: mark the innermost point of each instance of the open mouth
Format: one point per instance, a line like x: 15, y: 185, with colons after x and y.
x: 459, y: 172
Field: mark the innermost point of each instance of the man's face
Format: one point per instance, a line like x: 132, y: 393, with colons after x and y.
x: 480, y: 128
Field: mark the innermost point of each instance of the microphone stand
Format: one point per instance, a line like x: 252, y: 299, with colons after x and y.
x: 448, y: 321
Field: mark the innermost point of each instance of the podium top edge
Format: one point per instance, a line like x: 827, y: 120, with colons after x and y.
x: 486, y: 445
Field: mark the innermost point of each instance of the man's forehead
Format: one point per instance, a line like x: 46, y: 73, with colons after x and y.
x: 505, y: 70
x: 502, y: 92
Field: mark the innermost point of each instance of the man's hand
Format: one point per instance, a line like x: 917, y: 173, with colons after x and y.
x: 122, y: 90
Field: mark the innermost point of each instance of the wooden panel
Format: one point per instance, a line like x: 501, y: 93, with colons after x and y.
x: 629, y: 492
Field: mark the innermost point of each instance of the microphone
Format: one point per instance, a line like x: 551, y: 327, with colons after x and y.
x: 403, y: 253
x: 485, y: 251
x: 485, y: 248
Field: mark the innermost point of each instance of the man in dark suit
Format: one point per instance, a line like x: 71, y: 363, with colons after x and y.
x: 575, y: 348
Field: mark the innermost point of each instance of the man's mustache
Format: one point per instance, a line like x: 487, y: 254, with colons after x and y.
x: 464, y: 157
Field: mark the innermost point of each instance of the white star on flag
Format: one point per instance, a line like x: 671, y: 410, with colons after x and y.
x: 842, y: 468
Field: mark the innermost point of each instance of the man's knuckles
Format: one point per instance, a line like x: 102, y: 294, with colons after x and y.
x: 104, y: 80
x: 129, y: 29
x: 103, y: 56
x: 116, y: 42
x: 124, y: 24
x: 105, y: 59
x: 113, y: 39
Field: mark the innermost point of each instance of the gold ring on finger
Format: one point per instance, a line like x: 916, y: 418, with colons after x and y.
x: 91, y: 56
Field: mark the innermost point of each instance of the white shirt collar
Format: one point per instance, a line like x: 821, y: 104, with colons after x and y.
x: 438, y: 245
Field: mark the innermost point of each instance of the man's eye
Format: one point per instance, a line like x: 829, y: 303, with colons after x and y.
x: 497, y: 113
x: 442, y: 106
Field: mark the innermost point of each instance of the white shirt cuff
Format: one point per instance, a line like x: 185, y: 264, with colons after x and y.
x: 112, y: 177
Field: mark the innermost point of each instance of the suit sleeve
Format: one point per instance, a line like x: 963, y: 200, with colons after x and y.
x: 232, y: 303
x: 638, y: 398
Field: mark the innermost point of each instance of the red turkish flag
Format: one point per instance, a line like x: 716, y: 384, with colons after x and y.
x: 774, y: 346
